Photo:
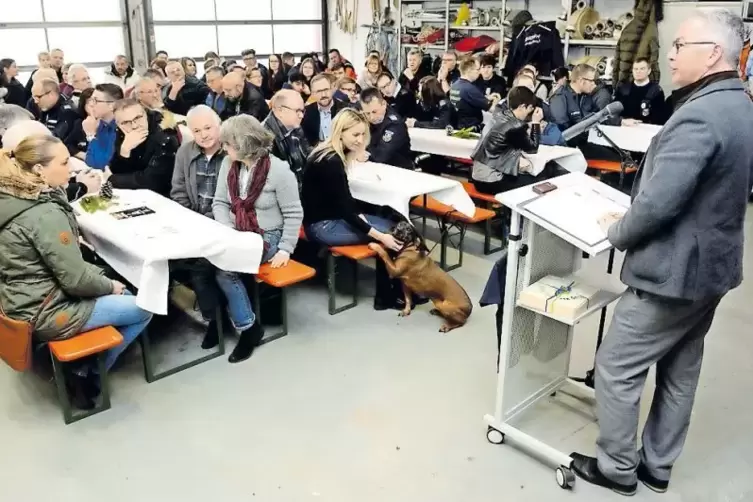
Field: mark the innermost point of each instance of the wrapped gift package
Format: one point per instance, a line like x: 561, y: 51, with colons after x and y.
x: 564, y: 297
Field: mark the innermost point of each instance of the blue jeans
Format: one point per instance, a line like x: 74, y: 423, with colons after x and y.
x: 238, y: 303
x: 121, y: 312
x: 341, y: 233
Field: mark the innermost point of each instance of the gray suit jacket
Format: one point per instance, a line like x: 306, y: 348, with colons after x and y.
x: 184, y: 188
x: 684, y: 231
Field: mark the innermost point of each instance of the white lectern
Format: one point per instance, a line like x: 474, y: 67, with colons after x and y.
x: 549, y: 235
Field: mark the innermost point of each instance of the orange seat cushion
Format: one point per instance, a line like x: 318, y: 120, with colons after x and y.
x: 292, y: 273
x: 86, y: 344
x: 475, y: 194
x: 610, y: 166
x: 357, y: 252
x: 437, y: 207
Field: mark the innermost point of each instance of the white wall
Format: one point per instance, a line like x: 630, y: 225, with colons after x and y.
x: 352, y: 46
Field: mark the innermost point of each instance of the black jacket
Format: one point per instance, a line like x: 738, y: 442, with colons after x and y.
x: 495, y: 84
x: 290, y: 146
x: 390, y: 142
x: 644, y: 103
x: 470, y: 104
x: 500, y: 149
x: 76, y: 141
x: 251, y: 102
x: 16, y: 93
x: 412, y: 84
x: 404, y: 103
x: 312, y: 120
x: 193, y: 93
x: 438, y: 116
x: 150, y: 165
x: 568, y: 108
x: 59, y: 119
x: 538, y: 44
x: 273, y: 83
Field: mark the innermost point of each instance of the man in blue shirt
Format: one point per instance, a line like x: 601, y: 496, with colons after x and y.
x: 317, y: 120
x: 468, y: 100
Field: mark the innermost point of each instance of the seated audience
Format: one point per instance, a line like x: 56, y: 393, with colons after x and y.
x: 52, y: 109
x: 250, y: 62
x: 337, y: 70
x: 121, y: 73
x: 189, y: 66
x: 284, y: 122
x: 317, y: 120
x: 308, y: 70
x: 82, y: 181
x: 390, y: 142
x: 643, y: 99
x: 550, y: 132
x: 44, y: 62
x: 560, y: 77
x: 276, y: 77
x: 298, y: 83
x: 331, y: 216
x: 46, y: 281
x: 101, y: 148
x: 183, y: 92
x: 288, y: 61
x: 372, y: 70
x: 498, y: 161
x: 402, y: 100
x: 215, y: 98
x: 85, y: 127
x: 489, y: 82
x: 540, y: 89
x: 197, y: 166
x: 256, y: 192
x: 79, y: 80
x: 16, y: 94
x: 144, y: 151
x: 468, y: 100
x: 162, y: 57
x: 347, y: 91
x: 254, y: 77
x: 149, y: 94
x: 448, y: 72
x: 434, y: 110
x: 602, y: 94
x: 242, y: 97
x: 412, y: 75
x: 572, y: 102
x: 335, y: 58
x: 158, y: 76
x: 66, y: 89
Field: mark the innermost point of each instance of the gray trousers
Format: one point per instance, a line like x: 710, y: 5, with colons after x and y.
x: 647, y: 329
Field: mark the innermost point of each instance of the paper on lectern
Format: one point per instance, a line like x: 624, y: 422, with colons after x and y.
x: 576, y: 211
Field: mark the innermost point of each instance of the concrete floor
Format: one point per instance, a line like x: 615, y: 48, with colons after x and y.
x: 362, y: 406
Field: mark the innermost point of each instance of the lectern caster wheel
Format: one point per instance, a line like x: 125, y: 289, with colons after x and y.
x: 565, y: 477
x: 494, y: 436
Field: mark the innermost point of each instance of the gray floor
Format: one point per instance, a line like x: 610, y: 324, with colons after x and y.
x: 362, y: 406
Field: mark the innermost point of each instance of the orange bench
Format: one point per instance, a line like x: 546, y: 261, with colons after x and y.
x: 491, y: 203
x: 280, y: 278
x: 448, y: 217
x: 608, y: 166
x: 96, y: 341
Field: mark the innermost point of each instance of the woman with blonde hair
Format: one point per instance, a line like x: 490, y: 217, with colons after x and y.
x: 46, y: 282
x: 371, y: 75
x: 331, y: 216
x: 189, y: 66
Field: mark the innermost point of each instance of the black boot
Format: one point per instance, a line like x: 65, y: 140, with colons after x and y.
x: 83, y: 389
x: 248, y: 341
x: 212, y: 335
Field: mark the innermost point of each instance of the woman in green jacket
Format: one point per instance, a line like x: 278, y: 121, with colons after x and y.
x: 40, y: 256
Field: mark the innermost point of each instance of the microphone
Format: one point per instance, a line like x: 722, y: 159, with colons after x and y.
x: 611, y: 110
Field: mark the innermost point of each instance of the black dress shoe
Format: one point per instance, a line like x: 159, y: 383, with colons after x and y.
x: 81, y: 391
x: 651, y: 482
x: 393, y: 305
x: 248, y: 341
x: 588, y: 469
x: 211, y: 337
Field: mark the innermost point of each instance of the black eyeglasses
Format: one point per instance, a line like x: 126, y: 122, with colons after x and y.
x: 299, y: 111
x: 40, y: 96
x: 677, y: 44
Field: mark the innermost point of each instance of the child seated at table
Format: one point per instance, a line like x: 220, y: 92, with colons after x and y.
x: 256, y: 192
x: 498, y: 161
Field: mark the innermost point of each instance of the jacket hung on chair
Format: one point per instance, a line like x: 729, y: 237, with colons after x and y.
x: 40, y: 257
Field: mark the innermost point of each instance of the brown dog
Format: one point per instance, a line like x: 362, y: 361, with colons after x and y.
x: 421, y: 275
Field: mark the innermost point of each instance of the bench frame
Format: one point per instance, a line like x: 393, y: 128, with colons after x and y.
x: 256, y: 292
x: 69, y: 416
x: 332, y: 284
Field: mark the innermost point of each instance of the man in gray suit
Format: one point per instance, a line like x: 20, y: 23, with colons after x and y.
x: 683, y: 237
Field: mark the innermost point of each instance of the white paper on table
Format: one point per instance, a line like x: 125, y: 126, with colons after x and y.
x: 575, y: 210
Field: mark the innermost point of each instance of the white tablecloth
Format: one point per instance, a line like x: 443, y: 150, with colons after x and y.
x: 139, y: 248
x: 395, y: 187
x: 631, y: 138
x: 436, y: 142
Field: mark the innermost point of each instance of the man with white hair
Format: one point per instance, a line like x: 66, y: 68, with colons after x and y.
x: 83, y: 180
x: 683, y: 237
x: 197, y: 164
x: 148, y: 93
x: 79, y: 80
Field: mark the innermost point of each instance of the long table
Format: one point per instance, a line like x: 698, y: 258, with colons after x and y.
x: 437, y: 142
x: 140, y: 247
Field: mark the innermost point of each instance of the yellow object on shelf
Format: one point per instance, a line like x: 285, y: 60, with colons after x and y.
x: 464, y: 15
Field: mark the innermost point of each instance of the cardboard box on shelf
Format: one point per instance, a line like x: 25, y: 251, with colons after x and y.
x: 564, y: 297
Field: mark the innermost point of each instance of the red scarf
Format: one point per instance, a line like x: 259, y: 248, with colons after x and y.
x: 245, y: 209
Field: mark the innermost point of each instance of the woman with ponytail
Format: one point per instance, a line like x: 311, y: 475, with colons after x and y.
x: 258, y: 193
x: 46, y: 282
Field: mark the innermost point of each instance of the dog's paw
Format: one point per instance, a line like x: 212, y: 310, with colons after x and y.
x: 435, y: 312
x: 404, y: 313
x: 375, y: 247
x: 444, y: 329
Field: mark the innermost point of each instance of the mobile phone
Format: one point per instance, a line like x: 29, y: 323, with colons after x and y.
x: 543, y: 188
